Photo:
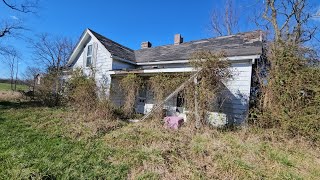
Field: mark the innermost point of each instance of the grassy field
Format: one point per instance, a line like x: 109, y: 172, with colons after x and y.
x: 43, y: 143
x: 7, y: 87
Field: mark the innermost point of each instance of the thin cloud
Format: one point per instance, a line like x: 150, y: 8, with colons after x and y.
x: 14, y: 17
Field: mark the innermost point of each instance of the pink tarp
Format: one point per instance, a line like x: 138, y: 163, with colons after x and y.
x: 173, y: 122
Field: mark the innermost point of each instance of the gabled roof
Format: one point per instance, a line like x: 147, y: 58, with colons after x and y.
x: 242, y: 44
x: 114, y: 48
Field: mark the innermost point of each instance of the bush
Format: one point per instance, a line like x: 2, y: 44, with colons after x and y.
x: 49, y: 91
x: 291, y: 97
x: 81, y: 91
x: 90, y: 115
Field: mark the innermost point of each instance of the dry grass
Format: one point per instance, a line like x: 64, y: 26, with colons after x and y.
x: 147, y: 150
x: 10, y: 96
x: 154, y: 152
x: 79, y: 126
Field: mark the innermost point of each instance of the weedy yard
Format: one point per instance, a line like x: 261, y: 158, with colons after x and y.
x: 7, y: 94
x: 39, y: 142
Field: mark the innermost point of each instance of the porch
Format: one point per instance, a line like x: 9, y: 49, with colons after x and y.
x: 173, y: 104
x: 145, y: 100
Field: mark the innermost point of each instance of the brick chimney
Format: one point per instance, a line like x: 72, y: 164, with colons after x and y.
x: 145, y: 45
x: 178, y: 39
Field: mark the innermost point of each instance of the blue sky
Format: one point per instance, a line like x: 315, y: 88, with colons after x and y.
x: 127, y: 22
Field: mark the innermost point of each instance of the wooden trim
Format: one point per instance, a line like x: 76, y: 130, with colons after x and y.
x: 231, y: 58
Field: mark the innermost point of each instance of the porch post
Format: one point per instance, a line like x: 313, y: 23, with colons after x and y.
x: 196, y: 111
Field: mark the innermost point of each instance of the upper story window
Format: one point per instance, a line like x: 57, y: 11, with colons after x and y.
x: 89, y: 56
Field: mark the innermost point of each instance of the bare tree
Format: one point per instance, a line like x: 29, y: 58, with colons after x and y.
x: 53, y: 53
x: 25, y: 6
x: 290, y: 20
x: 10, y: 28
x: 22, y: 6
x: 11, y: 59
x: 29, y: 76
x: 225, y: 22
x: 30, y: 72
x: 17, y: 71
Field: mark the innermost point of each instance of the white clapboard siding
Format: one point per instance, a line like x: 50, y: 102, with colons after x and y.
x: 237, y: 93
x: 101, y: 59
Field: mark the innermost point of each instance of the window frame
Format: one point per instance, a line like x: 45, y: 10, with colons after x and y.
x: 89, y: 55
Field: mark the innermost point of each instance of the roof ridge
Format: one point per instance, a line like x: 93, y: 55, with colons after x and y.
x: 212, y: 38
x: 95, y: 33
x: 167, y: 45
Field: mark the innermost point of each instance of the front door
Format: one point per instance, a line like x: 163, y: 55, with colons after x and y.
x: 141, y: 101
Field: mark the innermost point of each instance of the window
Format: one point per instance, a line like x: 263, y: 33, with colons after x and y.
x: 89, y: 56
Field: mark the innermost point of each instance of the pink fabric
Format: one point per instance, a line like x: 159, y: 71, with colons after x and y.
x: 173, y: 122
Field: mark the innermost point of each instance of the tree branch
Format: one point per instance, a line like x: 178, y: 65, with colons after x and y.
x: 26, y: 7
x: 8, y: 28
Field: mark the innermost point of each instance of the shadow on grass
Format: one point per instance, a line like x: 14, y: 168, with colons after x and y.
x: 18, y: 105
x: 2, y: 119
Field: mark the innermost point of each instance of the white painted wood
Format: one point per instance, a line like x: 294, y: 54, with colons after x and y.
x: 79, y: 47
x: 236, y: 94
x: 101, y: 60
x: 164, y: 70
x: 232, y: 58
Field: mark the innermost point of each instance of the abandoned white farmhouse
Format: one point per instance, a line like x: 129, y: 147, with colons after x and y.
x: 112, y: 60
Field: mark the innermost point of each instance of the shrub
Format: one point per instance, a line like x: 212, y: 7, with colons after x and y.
x: 81, y: 91
x: 291, y: 97
x: 49, y: 91
x: 90, y: 115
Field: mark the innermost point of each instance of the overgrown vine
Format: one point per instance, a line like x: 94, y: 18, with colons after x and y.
x: 162, y: 85
x: 214, y: 69
x: 130, y: 86
x: 290, y: 99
